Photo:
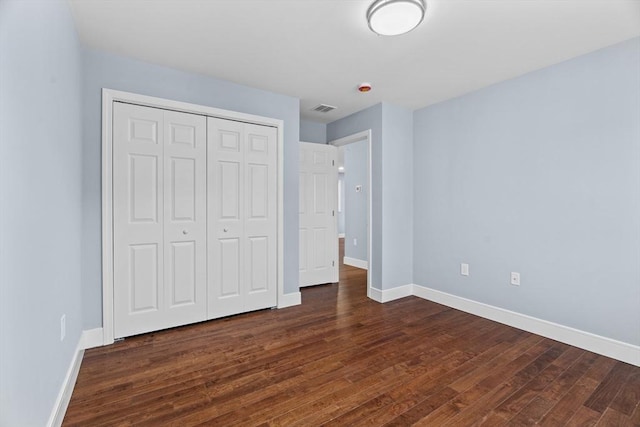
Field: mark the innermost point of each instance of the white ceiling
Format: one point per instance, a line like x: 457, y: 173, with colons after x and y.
x: 320, y: 50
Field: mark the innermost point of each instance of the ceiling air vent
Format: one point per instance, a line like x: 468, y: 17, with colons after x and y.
x: 323, y: 108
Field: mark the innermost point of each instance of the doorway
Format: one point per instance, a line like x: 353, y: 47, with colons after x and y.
x: 357, y: 210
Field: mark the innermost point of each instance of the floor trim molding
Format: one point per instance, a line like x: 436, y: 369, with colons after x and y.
x: 386, y: 295
x: 598, y: 344
x: 290, y: 299
x: 64, y: 395
x: 355, y: 262
x: 375, y: 294
x: 92, y: 338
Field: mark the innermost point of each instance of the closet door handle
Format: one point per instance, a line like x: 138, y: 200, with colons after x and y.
x: 185, y: 232
x: 225, y: 229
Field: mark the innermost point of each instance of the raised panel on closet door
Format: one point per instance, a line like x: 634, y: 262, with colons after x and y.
x: 185, y: 216
x: 138, y: 217
x: 225, y: 181
x: 260, y: 217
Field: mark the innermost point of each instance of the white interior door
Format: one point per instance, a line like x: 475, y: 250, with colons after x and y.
x: 242, y: 217
x: 318, y: 216
x: 159, y: 215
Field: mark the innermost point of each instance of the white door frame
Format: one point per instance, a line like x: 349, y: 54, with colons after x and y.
x: 357, y: 137
x: 109, y: 96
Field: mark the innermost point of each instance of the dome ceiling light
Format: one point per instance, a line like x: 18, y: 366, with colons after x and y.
x: 395, y: 17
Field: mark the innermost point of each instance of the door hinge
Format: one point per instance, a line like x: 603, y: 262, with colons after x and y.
x: 333, y: 162
x: 333, y: 213
x: 333, y: 263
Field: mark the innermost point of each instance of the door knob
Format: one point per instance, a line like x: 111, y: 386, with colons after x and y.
x: 225, y: 229
x: 185, y: 232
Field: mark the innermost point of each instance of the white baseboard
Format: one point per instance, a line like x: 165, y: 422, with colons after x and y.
x: 374, y: 294
x: 64, y: 395
x: 341, y: 235
x: 387, y: 295
x: 289, y: 300
x: 91, y: 338
x: 355, y: 262
x: 595, y: 343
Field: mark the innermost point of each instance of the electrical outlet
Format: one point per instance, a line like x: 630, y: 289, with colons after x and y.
x: 355, y: 241
x: 464, y: 269
x: 515, y: 278
x: 63, y: 327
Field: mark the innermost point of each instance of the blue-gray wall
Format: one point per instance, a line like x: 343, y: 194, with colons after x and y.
x: 313, y: 132
x: 40, y: 206
x: 539, y: 175
x: 103, y: 70
x: 370, y: 118
x: 391, y: 192
x: 397, y: 190
x: 356, y: 204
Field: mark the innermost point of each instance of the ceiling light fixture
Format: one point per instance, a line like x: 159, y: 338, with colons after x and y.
x: 395, y: 17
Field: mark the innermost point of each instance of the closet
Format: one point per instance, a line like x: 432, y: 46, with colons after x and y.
x: 194, y: 218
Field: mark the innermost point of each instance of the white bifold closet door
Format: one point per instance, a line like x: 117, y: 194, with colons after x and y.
x: 242, y: 217
x: 159, y: 214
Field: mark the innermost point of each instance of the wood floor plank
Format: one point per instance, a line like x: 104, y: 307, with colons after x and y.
x: 488, y: 372
x: 569, y: 357
x: 424, y: 408
x: 628, y: 397
x: 570, y: 402
x: 613, y: 418
x: 569, y: 377
x: 515, y: 403
x: 635, y: 416
x: 495, y: 394
x: 341, y: 359
x: 425, y: 382
x: 532, y: 413
x: 495, y: 368
x: 609, y: 387
x: 584, y: 417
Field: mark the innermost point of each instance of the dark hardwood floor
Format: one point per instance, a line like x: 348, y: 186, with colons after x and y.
x: 341, y: 359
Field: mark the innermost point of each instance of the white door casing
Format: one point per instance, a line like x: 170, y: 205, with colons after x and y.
x: 242, y: 223
x: 318, y: 221
x: 159, y: 219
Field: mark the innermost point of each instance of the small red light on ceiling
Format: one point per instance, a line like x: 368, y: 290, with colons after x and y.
x: 364, y: 87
